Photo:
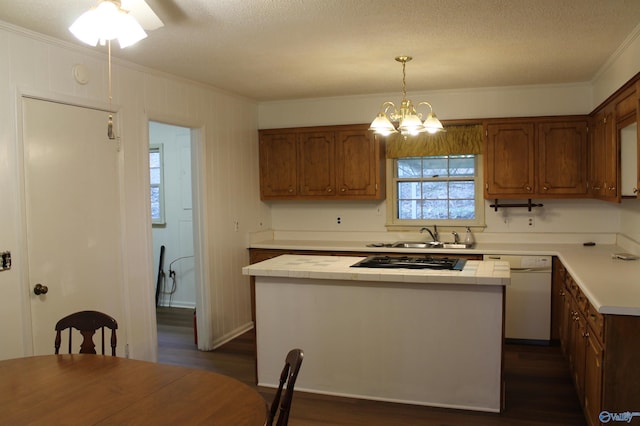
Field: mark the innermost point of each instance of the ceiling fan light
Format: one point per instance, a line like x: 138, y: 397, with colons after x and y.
x: 107, y: 22
x: 85, y: 27
x: 130, y: 32
x: 382, y: 126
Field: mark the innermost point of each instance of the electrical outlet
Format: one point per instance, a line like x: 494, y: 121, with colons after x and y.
x: 339, y: 220
x: 531, y: 222
x: 236, y: 226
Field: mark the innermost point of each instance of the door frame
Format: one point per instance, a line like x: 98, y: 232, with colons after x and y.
x: 200, y: 227
x: 25, y: 301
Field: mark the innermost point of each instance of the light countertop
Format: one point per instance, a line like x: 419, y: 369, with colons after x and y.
x: 611, y: 285
x: 339, y: 268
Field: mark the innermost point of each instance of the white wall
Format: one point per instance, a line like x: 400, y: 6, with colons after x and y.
x: 228, y: 124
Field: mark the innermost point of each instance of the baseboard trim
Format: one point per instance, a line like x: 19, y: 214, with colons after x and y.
x: 232, y: 335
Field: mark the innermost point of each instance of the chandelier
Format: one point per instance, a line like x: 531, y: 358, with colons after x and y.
x: 409, y: 120
x: 105, y: 22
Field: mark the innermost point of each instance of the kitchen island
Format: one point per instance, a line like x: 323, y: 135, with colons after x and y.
x: 427, y: 337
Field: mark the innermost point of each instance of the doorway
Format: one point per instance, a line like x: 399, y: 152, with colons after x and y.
x: 172, y: 179
x: 172, y: 212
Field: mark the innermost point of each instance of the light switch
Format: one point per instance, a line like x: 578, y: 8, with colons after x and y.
x: 5, y: 260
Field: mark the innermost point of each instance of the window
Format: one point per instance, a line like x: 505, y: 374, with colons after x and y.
x: 443, y: 189
x: 156, y: 180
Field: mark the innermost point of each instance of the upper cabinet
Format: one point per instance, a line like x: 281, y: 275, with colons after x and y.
x: 604, y: 155
x: 278, y: 165
x: 613, y: 146
x: 321, y: 163
x: 627, y: 111
x: 536, y: 158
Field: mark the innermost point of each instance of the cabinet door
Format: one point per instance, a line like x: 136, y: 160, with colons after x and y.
x: 278, y: 166
x: 566, y: 330
x: 604, y: 158
x: 317, y: 170
x: 562, y: 158
x: 557, y: 299
x: 509, y: 160
x: 579, y: 350
x: 357, y: 165
x: 593, y: 380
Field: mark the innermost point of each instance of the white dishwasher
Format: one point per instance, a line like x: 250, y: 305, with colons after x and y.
x: 528, y: 298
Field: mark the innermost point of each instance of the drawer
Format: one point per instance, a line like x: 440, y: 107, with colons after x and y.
x: 581, y: 301
x: 571, y: 285
x: 596, y: 322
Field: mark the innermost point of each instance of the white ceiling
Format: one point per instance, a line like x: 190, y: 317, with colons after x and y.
x: 288, y: 49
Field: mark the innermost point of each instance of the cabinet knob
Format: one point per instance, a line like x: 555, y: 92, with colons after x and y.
x: 612, y: 188
x: 343, y: 189
x: 329, y: 189
x: 290, y: 190
x: 546, y: 188
x: 528, y: 188
x: 635, y: 190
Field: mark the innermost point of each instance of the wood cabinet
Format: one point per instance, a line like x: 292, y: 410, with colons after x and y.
x: 602, y: 351
x: 604, y: 157
x: 278, y: 165
x: 510, y: 160
x: 627, y: 111
x: 562, y: 158
x: 321, y: 163
x: 536, y: 158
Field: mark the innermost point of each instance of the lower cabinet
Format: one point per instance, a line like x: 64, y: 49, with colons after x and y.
x: 593, y: 379
x: 602, y: 351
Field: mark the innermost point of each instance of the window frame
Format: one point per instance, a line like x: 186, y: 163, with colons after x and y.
x: 395, y: 224
x: 160, y: 221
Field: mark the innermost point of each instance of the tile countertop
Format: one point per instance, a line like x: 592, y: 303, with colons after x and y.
x: 339, y: 268
x: 611, y: 285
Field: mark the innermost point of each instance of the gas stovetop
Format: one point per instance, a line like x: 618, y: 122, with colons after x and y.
x: 411, y: 263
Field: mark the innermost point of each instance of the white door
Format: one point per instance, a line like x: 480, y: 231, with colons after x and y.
x: 73, y: 225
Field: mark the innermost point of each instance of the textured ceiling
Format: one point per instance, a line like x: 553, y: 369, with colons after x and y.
x: 287, y: 49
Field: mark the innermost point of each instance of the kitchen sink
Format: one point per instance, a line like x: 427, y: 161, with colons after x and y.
x: 423, y: 245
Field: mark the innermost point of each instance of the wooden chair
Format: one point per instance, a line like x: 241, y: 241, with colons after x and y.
x: 87, y: 322
x: 289, y: 375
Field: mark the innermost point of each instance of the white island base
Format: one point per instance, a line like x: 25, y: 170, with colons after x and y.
x: 418, y: 343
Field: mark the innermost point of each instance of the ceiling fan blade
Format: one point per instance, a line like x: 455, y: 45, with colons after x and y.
x: 143, y: 13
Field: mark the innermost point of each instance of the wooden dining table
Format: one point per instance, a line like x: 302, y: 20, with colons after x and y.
x: 106, y: 390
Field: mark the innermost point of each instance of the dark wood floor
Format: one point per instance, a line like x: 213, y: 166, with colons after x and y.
x: 539, y: 390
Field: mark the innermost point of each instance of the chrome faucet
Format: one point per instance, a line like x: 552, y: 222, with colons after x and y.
x: 456, y: 237
x: 434, y: 234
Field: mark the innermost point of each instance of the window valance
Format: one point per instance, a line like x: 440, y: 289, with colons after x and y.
x: 456, y: 140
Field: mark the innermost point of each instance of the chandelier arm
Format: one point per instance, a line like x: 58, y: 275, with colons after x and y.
x: 427, y: 104
x: 386, y: 105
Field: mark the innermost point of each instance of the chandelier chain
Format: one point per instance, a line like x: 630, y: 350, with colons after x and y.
x: 404, y: 80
